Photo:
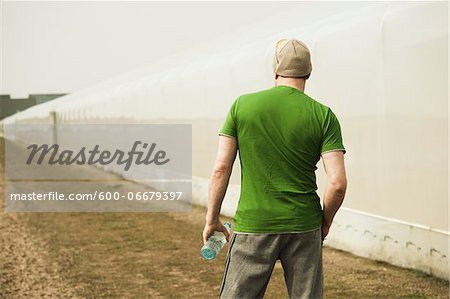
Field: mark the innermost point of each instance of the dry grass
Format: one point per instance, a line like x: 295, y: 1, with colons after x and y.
x: 156, y: 255
x: 151, y: 255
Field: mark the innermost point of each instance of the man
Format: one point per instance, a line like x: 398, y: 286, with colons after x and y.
x: 281, y: 133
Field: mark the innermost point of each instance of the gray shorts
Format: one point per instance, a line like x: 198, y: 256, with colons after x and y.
x: 251, y: 258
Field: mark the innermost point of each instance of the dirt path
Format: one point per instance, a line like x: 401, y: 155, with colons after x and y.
x: 26, y: 271
x: 143, y: 255
x: 156, y: 255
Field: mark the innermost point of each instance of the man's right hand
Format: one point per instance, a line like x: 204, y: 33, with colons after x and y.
x: 211, y: 228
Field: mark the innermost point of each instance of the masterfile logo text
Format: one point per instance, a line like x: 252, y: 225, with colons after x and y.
x: 146, y: 156
x: 98, y: 167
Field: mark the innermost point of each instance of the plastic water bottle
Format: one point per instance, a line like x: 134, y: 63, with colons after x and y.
x: 214, y: 244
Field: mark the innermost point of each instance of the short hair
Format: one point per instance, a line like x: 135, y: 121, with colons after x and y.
x: 303, y: 77
x: 306, y: 77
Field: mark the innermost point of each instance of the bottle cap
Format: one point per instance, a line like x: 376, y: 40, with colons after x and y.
x: 227, y: 225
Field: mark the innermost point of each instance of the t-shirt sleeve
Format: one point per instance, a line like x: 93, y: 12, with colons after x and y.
x: 229, y: 127
x: 332, y: 135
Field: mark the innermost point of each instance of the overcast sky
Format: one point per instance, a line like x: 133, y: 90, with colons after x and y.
x: 52, y: 47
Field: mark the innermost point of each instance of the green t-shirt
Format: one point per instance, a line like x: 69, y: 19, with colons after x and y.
x: 281, y: 133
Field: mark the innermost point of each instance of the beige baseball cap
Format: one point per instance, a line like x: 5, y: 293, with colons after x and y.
x: 292, y: 59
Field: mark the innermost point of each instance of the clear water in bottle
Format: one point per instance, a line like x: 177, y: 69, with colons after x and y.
x: 214, y: 244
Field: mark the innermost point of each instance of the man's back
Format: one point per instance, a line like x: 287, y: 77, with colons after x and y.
x: 281, y: 134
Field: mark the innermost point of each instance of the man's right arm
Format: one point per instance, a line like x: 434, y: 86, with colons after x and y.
x: 333, y: 162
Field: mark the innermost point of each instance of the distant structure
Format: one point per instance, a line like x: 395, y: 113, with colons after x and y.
x: 9, y: 106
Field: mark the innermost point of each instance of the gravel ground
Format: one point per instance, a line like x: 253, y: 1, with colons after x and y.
x: 26, y: 271
x: 156, y: 255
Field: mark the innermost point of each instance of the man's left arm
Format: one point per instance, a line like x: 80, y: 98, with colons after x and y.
x: 220, y: 177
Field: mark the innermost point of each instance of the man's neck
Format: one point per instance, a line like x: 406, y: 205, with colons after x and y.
x: 292, y: 82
